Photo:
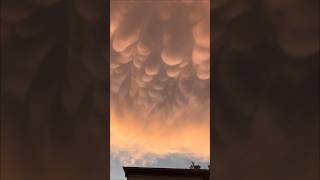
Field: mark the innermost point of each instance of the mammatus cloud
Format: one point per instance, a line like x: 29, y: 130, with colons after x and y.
x: 145, y: 141
x: 160, y: 79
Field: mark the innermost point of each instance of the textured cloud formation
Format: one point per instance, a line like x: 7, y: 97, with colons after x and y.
x: 160, y: 78
x: 145, y: 141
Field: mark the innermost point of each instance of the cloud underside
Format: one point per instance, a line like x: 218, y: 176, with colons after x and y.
x: 160, y: 79
x: 144, y: 141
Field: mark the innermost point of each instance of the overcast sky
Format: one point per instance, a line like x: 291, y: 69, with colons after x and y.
x: 160, y: 80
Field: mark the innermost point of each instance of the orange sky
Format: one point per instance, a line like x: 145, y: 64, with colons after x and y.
x: 189, y: 137
x: 160, y: 79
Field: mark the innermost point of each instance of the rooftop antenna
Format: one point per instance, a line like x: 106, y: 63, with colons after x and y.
x: 194, y: 166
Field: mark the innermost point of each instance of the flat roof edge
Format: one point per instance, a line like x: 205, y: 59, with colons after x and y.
x: 166, y: 171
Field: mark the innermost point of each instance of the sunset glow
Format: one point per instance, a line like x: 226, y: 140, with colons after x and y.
x: 160, y: 81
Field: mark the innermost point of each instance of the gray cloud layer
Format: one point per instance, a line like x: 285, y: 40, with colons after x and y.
x: 159, y: 56
x: 160, y: 81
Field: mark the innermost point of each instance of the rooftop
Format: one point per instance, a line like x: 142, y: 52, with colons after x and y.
x: 166, y: 171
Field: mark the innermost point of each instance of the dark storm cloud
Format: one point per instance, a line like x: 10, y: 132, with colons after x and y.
x: 160, y: 78
x: 160, y: 55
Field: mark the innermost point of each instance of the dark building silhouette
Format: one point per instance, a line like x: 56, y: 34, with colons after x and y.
x: 139, y: 173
